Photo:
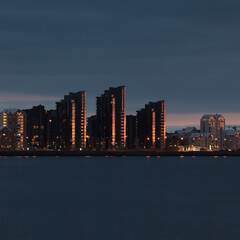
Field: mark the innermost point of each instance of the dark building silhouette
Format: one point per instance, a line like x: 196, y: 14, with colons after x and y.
x: 111, y: 118
x: 151, y: 125
x: 6, y: 138
x: 36, y: 127
x: 92, y: 132
x: 51, y: 129
x: 71, y: 121
x: 131, y: 131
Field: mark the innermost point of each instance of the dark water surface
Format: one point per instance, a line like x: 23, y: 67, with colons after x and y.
x: 130, y: 198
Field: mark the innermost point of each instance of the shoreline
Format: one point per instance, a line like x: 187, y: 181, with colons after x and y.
x: 118, y: 153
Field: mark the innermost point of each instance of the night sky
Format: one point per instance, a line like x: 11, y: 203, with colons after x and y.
x: 186, y: 52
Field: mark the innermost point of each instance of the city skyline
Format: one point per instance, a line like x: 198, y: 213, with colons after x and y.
x: 66, y: 127
x: 174, y: 121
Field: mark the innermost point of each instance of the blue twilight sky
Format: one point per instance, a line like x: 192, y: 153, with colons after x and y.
x: 186, y: 52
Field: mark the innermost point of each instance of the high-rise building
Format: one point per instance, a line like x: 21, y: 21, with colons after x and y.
x: 215, y: 125
x: 151, y: 125
x: 51, y: 129
x: 131, y: 131
x: 71, y: 121
x: 16, y: 121
x: 20, y: 130
x: 111, y: 118
x: 36, y: 127
x: 92, y: 133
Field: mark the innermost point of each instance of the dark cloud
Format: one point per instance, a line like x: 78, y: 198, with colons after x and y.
x: 186, y: 52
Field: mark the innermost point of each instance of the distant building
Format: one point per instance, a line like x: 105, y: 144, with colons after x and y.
x: 6, y: 138
x: 200, y: 141
x: 131, y: 131
x: 232, y: 139
x: 151, y: 125
x: 51, y: 129
x: 16, y: 121
x: 111, y: 118
x: 92, y: 132
x: 36, y: 127
x: 214, y: 125
x: 185, y: 132
x: 71, y: 121
x: 181, y: 138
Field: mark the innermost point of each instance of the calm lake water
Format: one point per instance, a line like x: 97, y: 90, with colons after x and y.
x: 68, y: 198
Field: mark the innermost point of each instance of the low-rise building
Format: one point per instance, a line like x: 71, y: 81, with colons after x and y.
x: 200, y: 141
x: 232, y: 139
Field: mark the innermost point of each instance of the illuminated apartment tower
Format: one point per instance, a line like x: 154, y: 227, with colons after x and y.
x: 15, y: 120
x: 111, y: 118
x: 214, y: 125
x: 71, y: 121
x: 20, y: 130
x: 151, y: 125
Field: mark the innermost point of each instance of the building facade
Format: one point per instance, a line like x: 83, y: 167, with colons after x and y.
x: 72, y: 122
x: 111, y: 118
x: 6, y: 138
x: 51, y: 129
x: 92, y: 133
x: 36, y: 127
x: 214, y: 125
x: 232, y: 139
x: 200, y: 141
x: 16, y: 121
x: 131, y: 131
x: 151, y: 125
